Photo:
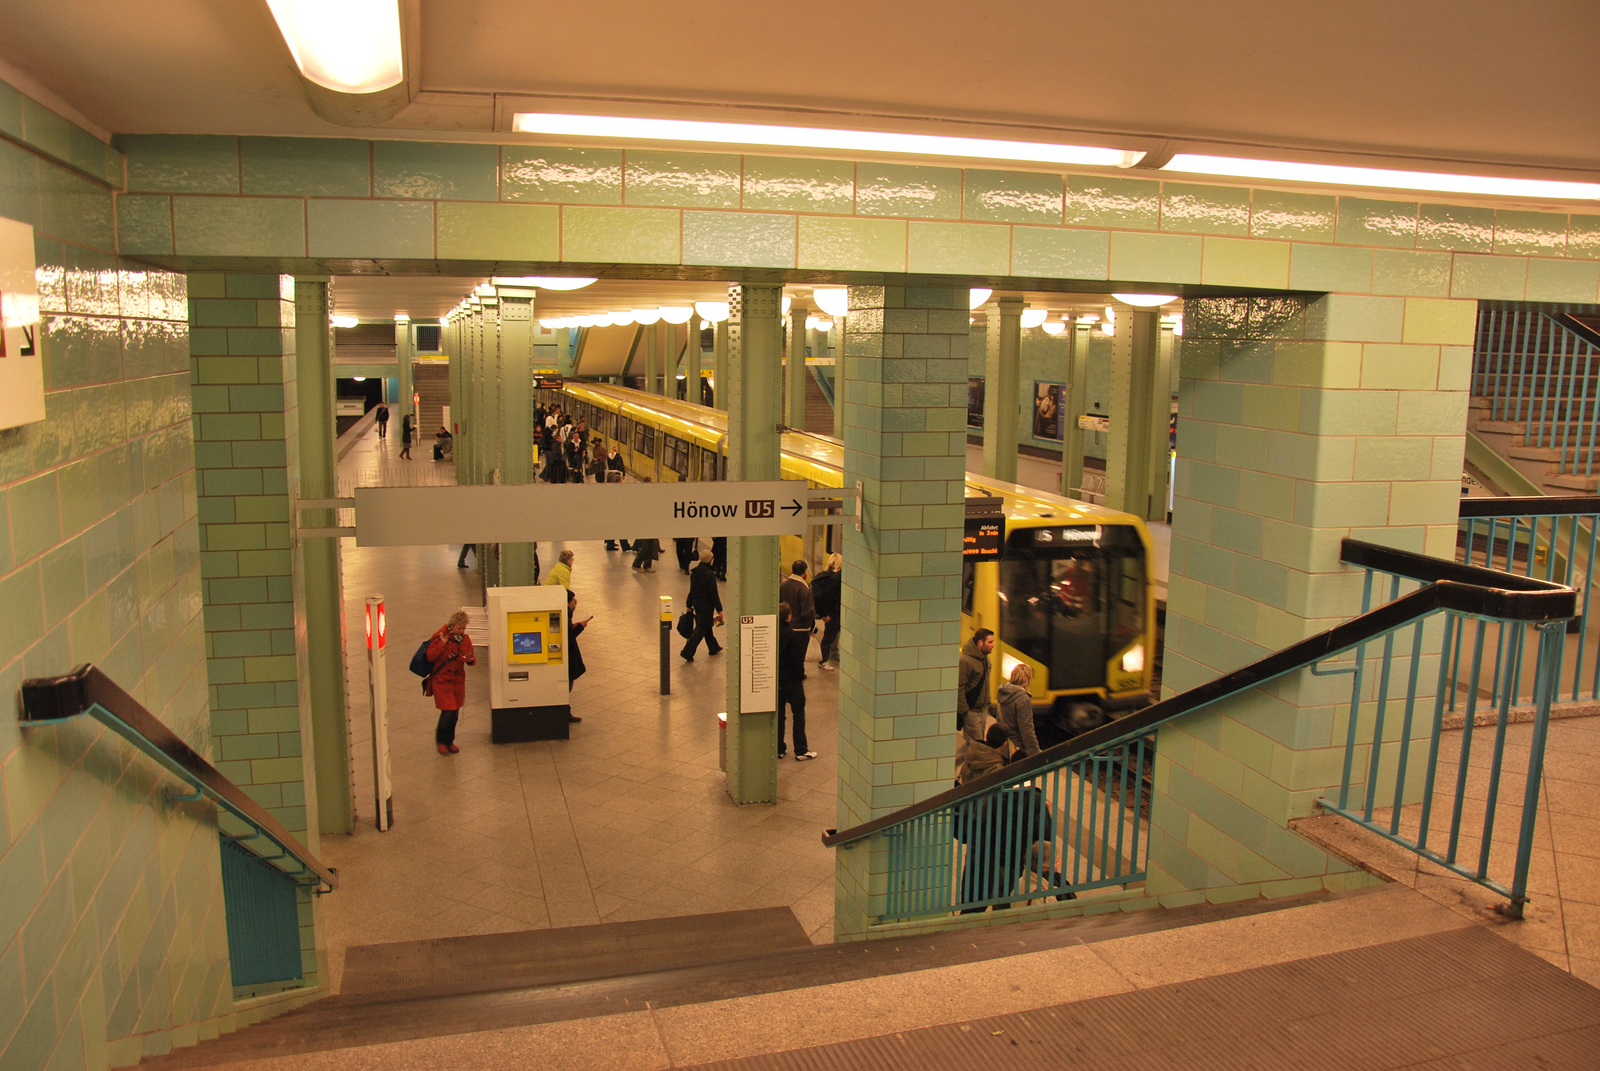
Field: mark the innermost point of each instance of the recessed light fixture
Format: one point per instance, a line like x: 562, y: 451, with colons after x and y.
x: 1034, y: 317
x: 833, y: 300
x: 1145, y: 301
x: 345, y: 321
x: 715, y: 311
x: 1052, y: 327
x: 402, y: 318
x: 544, y: 282
x: 676, y: 314
x: 646, y: 316
x: 348, y: 46
x: 633, y: 128
x: 977, y: 296
x: 1381, y: 178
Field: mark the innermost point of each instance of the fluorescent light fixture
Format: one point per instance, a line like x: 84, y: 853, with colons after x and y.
x: 1145, y: 301
x: 620, y: 319
x: 483, y: 290
x: 1052, y: 327
x: 833, y: 300
x: 676, y: 314
x: 345, y: 321
x: 1088, y: 318
x: 348, y: 46
x: 800, y: 137
x: 402, y: 318
x: 715, y: 311
x: 544, y: 282
x: 1381, y: 178
x: 978, y: 296
x: 359, y: 379
x: 646, y: 316
x: 1034, y: 317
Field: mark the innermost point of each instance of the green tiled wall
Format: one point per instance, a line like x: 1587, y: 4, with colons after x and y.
x: 904, y: 438
x: 111, y: 926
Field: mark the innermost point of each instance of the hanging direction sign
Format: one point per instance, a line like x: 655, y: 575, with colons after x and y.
x: 407, y: 516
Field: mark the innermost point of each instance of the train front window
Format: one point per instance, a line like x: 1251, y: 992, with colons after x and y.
x: 1069, y: 597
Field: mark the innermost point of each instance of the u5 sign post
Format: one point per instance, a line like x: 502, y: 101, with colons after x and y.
x: 406, y: 516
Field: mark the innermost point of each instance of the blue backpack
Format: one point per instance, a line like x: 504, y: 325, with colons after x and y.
x: 419, y: 661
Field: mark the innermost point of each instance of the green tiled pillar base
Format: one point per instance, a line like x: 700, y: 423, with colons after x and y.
x: 905, y: 441
x: 1301, y: 422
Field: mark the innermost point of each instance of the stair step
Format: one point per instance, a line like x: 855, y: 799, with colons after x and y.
x: 1573, y: 483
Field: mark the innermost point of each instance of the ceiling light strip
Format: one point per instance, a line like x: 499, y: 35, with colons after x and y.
x: 1380, y: 178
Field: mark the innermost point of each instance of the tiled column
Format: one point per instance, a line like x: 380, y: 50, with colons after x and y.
x: 1133, y: 371
x: 1000, y: 401
x: 794, y: 370
x: 1301, y: 423
x: 516, y: 419
x: 905, y: 440
x: 755, y: 352
x: 324, y: 582
x: 247, y: 463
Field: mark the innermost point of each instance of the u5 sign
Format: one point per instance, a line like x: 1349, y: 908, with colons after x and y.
x: 407, y: 516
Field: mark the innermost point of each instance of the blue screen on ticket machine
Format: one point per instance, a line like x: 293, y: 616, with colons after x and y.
x: 526, y: 643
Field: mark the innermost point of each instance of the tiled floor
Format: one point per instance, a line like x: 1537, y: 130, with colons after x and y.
x: 628, y: 819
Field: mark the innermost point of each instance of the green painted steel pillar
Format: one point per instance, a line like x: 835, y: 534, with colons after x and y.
x: 1000, y: 401
x: 691, y: 358
x: 652, y: 362
x: 1076, y: 403
x: 516, y: 567
x: 493, y: 458
x: 795, y: 370
x: 319, y: 558
x: 754, y: 330
x: 719, y: 365
x: 837, y: 334
x: 1128, y: 455
x: 404, y: 350
x: 1163, y: 386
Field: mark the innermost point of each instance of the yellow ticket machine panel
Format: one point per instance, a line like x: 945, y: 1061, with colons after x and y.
x: 528, y: 637
x: 527, y: 660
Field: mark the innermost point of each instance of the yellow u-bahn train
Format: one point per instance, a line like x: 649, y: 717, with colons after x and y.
x: 1070, y: 595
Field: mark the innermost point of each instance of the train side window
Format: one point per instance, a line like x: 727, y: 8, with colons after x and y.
x: 969, y: 582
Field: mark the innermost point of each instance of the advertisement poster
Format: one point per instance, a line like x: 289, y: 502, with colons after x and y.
x: 1047, y: 422
x: 974, y: 401
x: 21, y: 369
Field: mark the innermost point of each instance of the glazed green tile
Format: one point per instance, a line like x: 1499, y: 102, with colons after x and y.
x: 1563, y: 280
x: 1542, y: 234
x: 908, y: 190
x: 369, y: 229
x: 1458, y: 227
x: 10, y: 111
x: 19, y: 184
x: 1245, y: 262
x: 1205, y: 209
x: 74, y: 209
x: 1012, y: 196
x: 1301, y: 216
x: 567, y: 176
x: 144, y: 223
x: 1488, y: 277
x: 1119, y: 203
x: 785, y: 185
x: 958, y: 248
x: 619, y: 235
x: 1583, y: 237
x: 306, y: 167
x: 239, y: 227
x: 1345, y: 269
x: 852, y: 244
x: 687, y: 179
x: 45, y: 130
x: 1403, y: 273
x: 1060, y: 253
x: 181, y: 163
x: 1155, y: 258
x: 434, y: 170
x: 1385, y: 223
x: 499, y: 232
x: 739, y: 239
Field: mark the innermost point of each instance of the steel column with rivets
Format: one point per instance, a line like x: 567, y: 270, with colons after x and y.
x: 719, y: 364
x: 1000, y: 401
x: 1076, y: 403
x: 516, y: 419
x: 1128, y: 454
x: 794, y: 370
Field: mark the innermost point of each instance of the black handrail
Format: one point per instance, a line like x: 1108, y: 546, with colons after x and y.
x: 52, y: 699
x: 1464, y: 588
x: 1540, y: 505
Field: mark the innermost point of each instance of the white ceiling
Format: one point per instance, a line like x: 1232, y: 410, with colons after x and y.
x: 1479, y: 81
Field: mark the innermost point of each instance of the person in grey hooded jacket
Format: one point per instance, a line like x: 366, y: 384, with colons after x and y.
x: 1016, y: 710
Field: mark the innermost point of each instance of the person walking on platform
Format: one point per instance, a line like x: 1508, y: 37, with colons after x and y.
x: 408, y: 431
x: 466, y: 548
x: 561, y: 571
x: 575, y: 666
x: 825, y: 595
x: 792, y: 689
x: 597, y: 462
x: 645, y: 553
x: 719, y: 556
x: 972, y: 692
x: 383, y: 421
x: 705, y: 601
x: 686, y: 549
x: 450, y: 652
x: 797, y: 593
x: 1016, y: 710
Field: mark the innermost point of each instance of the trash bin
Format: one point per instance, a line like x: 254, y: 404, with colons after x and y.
x: 722, y: 741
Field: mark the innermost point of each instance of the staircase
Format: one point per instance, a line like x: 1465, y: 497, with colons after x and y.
x: 819, y: 411
x: 1258, y: 983
x: 432, y: 384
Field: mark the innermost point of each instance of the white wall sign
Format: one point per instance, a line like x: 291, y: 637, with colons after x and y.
x: 758, y: 664
x: 21, y: 369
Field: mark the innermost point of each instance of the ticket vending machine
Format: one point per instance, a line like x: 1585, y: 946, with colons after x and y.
x: 528, y: 692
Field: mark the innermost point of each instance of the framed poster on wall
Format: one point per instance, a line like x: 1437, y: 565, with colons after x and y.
x: 974, y: 401
x: 1047, y: 422
x: 21, y: 369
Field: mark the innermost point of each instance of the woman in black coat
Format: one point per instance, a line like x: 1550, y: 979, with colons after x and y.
x: 575, y: 666
x: 706, y: 602
x: 825, y: 592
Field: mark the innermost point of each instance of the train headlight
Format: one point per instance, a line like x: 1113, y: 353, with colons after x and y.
x: 1007, y: 664
x: 1133, y: 660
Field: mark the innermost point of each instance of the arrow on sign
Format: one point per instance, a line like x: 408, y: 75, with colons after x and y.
x: 795, y: 508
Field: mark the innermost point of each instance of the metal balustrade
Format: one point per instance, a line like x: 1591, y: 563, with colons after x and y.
x: 1536, y: 372
x: 1075, y: 818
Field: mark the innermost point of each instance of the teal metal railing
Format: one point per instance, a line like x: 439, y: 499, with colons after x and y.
x: 1076, y: 817
x: 265, y: 868
x: 1535, y: 370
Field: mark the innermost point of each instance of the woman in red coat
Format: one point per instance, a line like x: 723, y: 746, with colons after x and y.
x: 450, y: 651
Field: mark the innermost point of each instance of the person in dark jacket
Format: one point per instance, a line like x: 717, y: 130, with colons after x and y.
x: 706, y: 602
x: 408, y: 432
x: 797, y: 593
x: 575, y: 666
x: 825, y: 594
x: 450, y: 652
x: 792, y: 689
x: 972, y: 692
x: 719, y: 556
x: 383, y: 421
x: 687, y: 550
x: 645, y: 553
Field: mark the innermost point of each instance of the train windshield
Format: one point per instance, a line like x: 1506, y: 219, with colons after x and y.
x: 1071, y: 597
